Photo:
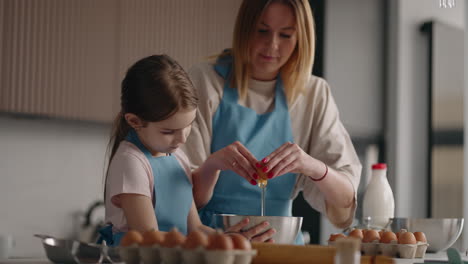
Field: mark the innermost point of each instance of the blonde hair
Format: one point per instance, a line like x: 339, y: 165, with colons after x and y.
x: 296, y: 72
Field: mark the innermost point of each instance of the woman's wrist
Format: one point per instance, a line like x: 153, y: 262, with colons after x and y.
x: 317, y: 170
x: 323, y: 176
x: 209, y: 166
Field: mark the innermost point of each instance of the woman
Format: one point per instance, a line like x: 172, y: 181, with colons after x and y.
x: 265, y: 112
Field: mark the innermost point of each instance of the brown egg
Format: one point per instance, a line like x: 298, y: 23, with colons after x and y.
x: 407, y: 238
x: 219, y: 241
x: 420, y: 237
x: 240, y: 242
x: 173, y: 239
x: 357, y: 233
x: 196, y: 239
x: 370, y: 236
x: 388, y: 236
x: 152, y: 237
x: 400, y: 232
x: 334, y: 237
x: 381, y: 232
x: 132, y: 237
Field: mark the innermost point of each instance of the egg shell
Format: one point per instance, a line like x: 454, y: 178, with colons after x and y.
x: 152, y: 237
x: 261, y: 175
x: 371, y: 235
x: 240, y: 242
x: 334, y: 237
x: 173, y: 239
x: 196, y: 239
x: 219, y: 241
x: 357, y: 233
x: 262, y: 178
x: 400, y: 232
x: 381, y: 232
x: 407, y: 238
x: 387, y: 237
x: 420, y: 236
x: 132, y: 237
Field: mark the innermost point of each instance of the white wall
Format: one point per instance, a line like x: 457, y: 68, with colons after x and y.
x: 407, y: 99
x: 50, y: 171
x: 354, y: 52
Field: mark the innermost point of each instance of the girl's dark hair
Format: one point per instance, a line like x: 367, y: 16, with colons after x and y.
x: 154, y: 89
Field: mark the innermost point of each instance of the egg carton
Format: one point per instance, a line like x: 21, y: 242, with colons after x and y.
x: 163, y: 255
x: 392, y: 249
x: 407, y: 251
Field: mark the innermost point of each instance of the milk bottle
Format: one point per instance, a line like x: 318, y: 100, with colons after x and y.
x: 378, y: 203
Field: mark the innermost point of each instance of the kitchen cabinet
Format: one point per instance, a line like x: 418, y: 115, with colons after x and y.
x: 65, y: 59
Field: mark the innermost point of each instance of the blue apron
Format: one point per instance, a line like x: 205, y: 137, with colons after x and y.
x: 172, y: 189
x: 261, y: 134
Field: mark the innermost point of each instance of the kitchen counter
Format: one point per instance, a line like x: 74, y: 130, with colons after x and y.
x: 441, y: 257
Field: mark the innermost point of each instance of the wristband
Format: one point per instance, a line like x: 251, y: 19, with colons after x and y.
x: 324, y: 175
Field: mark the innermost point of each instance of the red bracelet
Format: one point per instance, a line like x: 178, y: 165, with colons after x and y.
x: 324, y: 175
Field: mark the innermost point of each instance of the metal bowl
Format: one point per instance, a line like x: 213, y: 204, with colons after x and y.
x: 287, y: 227
x: 441, y: 233
x: 74, y: 252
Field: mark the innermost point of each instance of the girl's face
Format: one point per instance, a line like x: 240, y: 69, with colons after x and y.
x: 273, y: 42
x: 168, y: 135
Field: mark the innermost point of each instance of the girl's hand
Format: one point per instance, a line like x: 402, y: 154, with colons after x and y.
x: 237, y: 158
x: 289, y: 158
x: 254, y: 234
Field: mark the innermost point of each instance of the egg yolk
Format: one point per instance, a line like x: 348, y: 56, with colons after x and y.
x: 262, y: 180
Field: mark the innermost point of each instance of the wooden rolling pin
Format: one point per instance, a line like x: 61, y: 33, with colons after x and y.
x: 268, y: 253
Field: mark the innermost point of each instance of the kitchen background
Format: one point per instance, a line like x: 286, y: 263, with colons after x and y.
x: 61, y: 63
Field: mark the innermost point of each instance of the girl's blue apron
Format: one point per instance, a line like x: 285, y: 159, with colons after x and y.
x: 172, y: 192
x: 261, y: 134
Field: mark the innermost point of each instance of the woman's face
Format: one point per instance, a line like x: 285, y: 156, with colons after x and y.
x: 273, y: 42
x: 168, y: 135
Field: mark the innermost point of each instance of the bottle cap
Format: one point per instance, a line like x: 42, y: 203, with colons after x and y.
x: 379, y: 166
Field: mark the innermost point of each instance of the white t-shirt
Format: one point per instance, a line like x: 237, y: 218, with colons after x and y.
x: 315, y: 124
x: 131, y: 172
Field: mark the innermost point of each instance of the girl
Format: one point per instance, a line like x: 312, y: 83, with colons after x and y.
x: 148, y: 182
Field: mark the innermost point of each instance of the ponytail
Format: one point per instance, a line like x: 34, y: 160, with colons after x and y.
x: 120, y: 129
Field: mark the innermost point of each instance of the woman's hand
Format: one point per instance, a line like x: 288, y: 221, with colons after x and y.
x: 291, y: 158
x: 254, y: 234
x: 237, y: 158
